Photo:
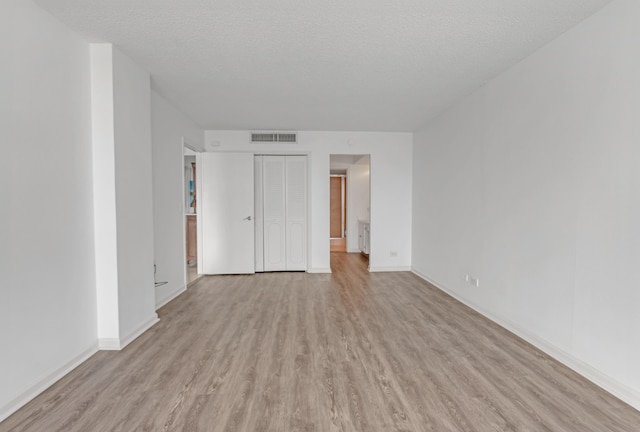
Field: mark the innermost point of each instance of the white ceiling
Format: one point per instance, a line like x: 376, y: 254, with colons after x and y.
x: 370, y: 65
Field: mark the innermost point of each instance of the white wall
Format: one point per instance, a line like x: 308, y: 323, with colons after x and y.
x: 122, y: 195
x: 532, y: 186
x: 134, y: 192
x: 47, y: 294
x: 104, y: 192
x: 358, y: 197
x: 169, y: 126
x: 390, y: 187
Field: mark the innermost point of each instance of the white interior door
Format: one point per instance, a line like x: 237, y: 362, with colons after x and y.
x: 296, y: 212
x: 227, y: 207
x: 258, y: 211
x: 273, y: 171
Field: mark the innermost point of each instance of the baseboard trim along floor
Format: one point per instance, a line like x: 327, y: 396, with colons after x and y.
x: 319, y: 270
x: 114, y: 344
x: 171, y: 296
x: 46, y: 382
x: 597, y: 377
x: 389, y: 269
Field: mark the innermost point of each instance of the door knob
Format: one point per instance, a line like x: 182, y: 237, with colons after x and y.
x: 247, y: 218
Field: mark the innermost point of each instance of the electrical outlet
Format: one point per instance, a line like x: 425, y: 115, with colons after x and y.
x: 471, y: 280
x: 393, y: 253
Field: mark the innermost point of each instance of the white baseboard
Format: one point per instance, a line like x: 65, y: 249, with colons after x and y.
x: 109, y: 344
x: 389, y: 269
x: 170, y: 297
x: 353, y: 251
x: 606, y: 382
x: 114, y: 344
x: 153, y: 320
x: 319, y: 270
x: 46, y: 382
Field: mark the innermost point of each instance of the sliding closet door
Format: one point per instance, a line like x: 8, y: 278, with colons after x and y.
x: 296, y: 212
x: 273, y: 176
x: 259, y: 221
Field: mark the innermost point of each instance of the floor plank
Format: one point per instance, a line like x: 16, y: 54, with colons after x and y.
x: 338, y: 244
x: 349, y: 351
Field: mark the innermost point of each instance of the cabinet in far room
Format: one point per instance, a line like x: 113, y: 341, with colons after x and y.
x: 363, y: 236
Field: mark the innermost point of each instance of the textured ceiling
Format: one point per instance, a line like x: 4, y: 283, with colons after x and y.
x: 372, y: 65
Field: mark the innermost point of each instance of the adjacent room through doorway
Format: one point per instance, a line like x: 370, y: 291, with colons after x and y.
x: 349, y: 190
x: 338, y: 212
x: 191, y: 211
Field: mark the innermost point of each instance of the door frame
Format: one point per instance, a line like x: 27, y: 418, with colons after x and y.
x: 350, y: 215
x: 344, y: 208
x: 186, y: 144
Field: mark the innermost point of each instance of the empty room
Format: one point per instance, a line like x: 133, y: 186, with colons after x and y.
x: 420, y: 215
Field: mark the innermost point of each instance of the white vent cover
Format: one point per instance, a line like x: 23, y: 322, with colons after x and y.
x: 283, y: 137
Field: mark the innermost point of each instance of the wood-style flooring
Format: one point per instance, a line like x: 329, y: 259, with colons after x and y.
x: 350, y: 351
x: 192, y: 272
x: 338, y: 245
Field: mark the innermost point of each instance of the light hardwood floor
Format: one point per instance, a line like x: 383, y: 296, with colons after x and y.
x: 192, y: 272
x: 350, y: 351
x: 338, y: 245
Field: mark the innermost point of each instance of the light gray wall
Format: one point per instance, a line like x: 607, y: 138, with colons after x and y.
x: 169, y: 126
x: 390, y: 187
x: 134, y: 192
x: 47, y: 285
x: 104, y: 193
x: 122, y: 197
x: 49, y: 244
x: 532, y: 185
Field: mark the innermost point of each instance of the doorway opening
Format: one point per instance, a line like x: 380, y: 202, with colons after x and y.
x: 190, y: 205
x: 349, y: 208
x: 338, y: 212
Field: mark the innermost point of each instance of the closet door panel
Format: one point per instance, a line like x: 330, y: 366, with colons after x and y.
x: 259, y: 220
x: 296, y: 212
x: 274, y: 216
x: 275, y: 245
x: 296, y: 246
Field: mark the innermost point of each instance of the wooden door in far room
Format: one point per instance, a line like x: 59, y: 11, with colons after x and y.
x: 337, y: 217
x: 336, y: 206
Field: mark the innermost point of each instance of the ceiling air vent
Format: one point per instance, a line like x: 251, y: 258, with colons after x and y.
x: 287, y: 137
x: 283, y: 137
